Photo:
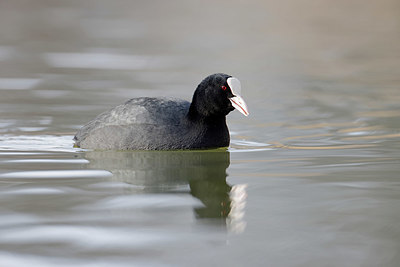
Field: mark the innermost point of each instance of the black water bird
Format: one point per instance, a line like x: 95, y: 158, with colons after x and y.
x: 166, y: 124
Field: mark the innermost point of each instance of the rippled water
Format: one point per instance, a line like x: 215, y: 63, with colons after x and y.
x: 311, y: 177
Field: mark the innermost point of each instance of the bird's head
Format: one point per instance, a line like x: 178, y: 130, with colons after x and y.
x: 218, y: 94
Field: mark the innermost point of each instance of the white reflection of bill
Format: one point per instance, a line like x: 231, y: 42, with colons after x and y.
x: 235, y: 221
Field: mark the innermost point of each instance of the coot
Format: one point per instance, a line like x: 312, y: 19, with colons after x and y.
x: 164, y: 124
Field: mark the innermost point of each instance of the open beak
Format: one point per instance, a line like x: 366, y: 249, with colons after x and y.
x: 237, y: 101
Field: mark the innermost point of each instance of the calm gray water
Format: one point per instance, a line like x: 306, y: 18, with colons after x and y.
x: 311, y: 177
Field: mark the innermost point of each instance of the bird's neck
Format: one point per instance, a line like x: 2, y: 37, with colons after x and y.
x: 194, y: 116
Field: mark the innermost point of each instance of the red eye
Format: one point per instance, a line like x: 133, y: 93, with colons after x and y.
x: 223, y: 87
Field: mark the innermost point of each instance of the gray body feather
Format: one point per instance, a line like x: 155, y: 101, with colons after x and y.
x: 140, y: 123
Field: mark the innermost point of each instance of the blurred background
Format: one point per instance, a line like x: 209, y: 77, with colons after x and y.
x: 311, y: 177
x: 60, y: 58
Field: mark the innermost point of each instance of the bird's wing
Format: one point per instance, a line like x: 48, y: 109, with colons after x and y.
x: 137, y: 111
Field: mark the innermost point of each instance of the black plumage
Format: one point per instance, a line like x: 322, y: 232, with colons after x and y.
x: 165, y: 124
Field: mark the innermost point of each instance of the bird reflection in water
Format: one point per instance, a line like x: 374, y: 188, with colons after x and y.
x: 172, y: 171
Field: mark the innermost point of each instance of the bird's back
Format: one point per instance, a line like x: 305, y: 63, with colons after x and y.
x: 140, y: 123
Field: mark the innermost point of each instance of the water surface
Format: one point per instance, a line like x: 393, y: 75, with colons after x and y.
x: 311, y: 177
